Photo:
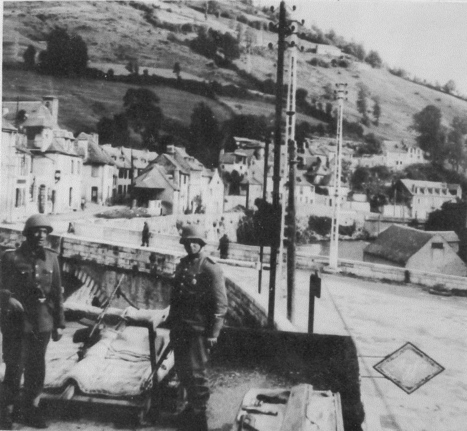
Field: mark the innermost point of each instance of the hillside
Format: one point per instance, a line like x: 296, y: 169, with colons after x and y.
x: 118, y: 31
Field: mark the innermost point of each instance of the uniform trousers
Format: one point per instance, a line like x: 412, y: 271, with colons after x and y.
x: 191, y: 357
x: 23, y: 352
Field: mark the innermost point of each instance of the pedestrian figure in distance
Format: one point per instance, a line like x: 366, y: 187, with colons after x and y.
x: 224, y: 246
x: 31, y: 313
x: 71, y: 227
x: 145, y: 235
x: 83, y: 204
x: 198, y: 305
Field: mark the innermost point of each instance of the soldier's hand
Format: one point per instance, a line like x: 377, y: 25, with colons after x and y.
x: 211, y: 342
x: 15, y: 305
x: 57, y: 334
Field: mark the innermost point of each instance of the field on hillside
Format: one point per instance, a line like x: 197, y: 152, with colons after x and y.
x: 83, y: 102
x: 118, y: 31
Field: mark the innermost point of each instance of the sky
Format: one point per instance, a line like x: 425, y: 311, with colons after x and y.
x: 426, y: 38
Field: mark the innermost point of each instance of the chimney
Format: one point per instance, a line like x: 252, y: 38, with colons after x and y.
x: 51, y: 102
x: 171, y: 150
x: 95, y: 138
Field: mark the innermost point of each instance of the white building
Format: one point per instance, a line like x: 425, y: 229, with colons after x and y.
x: 15, y: 174
x: 98, y: 170
x: 424, y: 197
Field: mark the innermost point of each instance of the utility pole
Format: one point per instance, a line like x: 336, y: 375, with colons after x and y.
x: 265, y: 186
x: 334, y: 246
x: 290, y: 137
x: 281, y: 29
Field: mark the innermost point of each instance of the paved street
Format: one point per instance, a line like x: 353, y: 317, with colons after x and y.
x: 381, y: 318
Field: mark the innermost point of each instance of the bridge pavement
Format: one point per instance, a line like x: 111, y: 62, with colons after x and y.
x: 381, y: 318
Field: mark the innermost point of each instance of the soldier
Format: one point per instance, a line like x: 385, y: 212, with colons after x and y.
x: 145, y: 235
x: 31, y: 313
x: 198, y: 306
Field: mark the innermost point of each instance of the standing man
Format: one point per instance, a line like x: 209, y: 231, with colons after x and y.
x: 224, y: 246
x: 197, y: 311
x: 31, y: 313
x: 145, y: 235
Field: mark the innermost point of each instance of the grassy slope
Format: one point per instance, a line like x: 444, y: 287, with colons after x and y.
x: 105, y: 26
x: 84, y: 102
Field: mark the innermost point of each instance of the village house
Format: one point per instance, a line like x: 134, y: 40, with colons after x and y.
x: 405, y: 247
x: 424, y: 197
x: 15, y: 174
x: 122, y: 173
x: 99, y: 169
x: 396, y: 156
x: 179, y: 184
x: 55, y: 176
x: 159, y: 190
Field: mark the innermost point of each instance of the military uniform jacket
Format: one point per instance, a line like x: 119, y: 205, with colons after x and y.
x: 198, y: 299
x: 34, y: 280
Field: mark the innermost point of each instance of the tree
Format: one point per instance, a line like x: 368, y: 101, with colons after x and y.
x: 362, y: 105
x: 450, y: 86
x: 205, y: 135
x: 65, y: 55
x: 457, y: 154
x: 372, y: 145
x: 431, y: 134
x: 29, y: 57
x: 376, y: 111
x: 230, y: 46
x: 177, y: 70
x: 374, y: 60
x: 113, y: 130
x: 143, y: 114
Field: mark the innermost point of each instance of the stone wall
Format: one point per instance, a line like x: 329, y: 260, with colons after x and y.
x: 105, y: 262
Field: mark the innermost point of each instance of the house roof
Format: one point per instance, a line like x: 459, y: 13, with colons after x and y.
x: 155, y: 177
x: 97, y: 156
x: 58, y: 146
x: 248, y: 143
x: 398, y: 243
x: 117, y: 155
x: 228, y: 158
x: 448, y: 235
x: 175, y: 164
x: 13, y: 107
x: 189, y: 162
x: 424, y: 188
x: 40, y: 118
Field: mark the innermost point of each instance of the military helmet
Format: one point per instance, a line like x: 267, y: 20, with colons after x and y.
x: 37, y: 220
x: 192, y: 233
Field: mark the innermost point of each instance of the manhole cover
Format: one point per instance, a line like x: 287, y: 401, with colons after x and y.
x: 408, y: 367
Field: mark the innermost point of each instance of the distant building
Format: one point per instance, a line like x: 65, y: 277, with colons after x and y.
x: 423, y: 197
x: 395, y: 156
x: 410, y: 248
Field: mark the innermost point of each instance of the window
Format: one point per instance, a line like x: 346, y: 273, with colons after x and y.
x: 437, y: 245
x: 72, y: 166
x: 23, y: 166
x: 121, y: 173
x: 20, y: 197
x: 184, y: 179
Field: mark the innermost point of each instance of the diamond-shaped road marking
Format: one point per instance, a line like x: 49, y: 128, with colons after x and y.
x: 408, y: 367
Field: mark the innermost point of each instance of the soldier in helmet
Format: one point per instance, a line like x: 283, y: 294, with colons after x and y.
x: 198, y: 306
x: 31, y: 313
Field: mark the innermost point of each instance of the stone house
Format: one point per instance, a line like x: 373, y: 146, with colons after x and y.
x: 122, y: 174
x: 156, y: 187
x: 410, y: 248
x: 15, y: 174
x: 99, y: 170
x: 55, y: 177
x: 423, y: 197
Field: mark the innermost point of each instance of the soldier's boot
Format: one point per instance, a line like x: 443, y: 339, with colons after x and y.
x: 6, y: 421
x: 33, y: 417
